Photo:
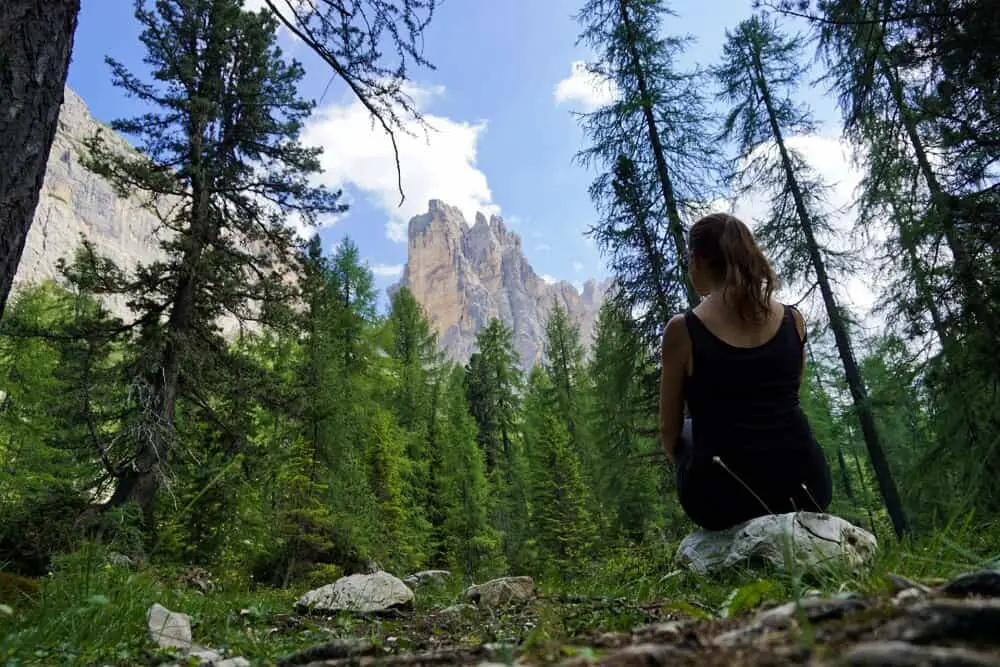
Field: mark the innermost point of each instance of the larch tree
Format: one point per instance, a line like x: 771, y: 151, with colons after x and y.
x: 493, y: 385
x: 758, y: 76
x: 651, y: 148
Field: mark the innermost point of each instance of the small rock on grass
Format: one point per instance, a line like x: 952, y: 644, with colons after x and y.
x: 949, y: 620
x: 169, y: 629
x: 501, y: 592
x: 985, y: 583
x: 901, y: 654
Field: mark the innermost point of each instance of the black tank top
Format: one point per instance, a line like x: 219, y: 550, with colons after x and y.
x: 744, y: 400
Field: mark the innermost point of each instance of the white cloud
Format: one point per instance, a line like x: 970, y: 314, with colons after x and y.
x: 585, y: 88
x: 830, y: 157
x: 439, y: 163
x: 387, y: 270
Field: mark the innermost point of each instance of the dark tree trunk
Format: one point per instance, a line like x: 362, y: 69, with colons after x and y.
x: 855, y: 382
x: 36, y: 38
x: 666, y: 185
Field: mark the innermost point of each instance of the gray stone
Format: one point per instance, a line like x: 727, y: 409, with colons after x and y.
x: 805, y: 539
x: 501, y: 592
x: 985, y: 583
x: 948, y: 620
x: 204, y: 655
x: 233, y: 662
x: 116, y: 559
x: 458, y: 610
x: 428, y: 578
x: 361, y: 593
x: 783, y: 616
x: 169, y: 629
x: 901, y: 654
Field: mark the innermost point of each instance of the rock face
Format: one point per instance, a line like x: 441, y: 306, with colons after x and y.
x: 808, y: 539
x: 74, y: 201
x: 362, y: 593
x: 465, y: 276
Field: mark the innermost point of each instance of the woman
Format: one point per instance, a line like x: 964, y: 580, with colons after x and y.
x: 737, y: 360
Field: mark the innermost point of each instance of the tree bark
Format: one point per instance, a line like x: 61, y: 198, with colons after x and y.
x: 36, y: 39
x: 669, y: 195
x: 855, y: 382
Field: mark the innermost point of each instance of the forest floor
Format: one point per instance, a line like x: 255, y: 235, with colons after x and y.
x: 629, y: 612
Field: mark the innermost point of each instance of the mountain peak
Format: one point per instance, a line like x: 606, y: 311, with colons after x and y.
x: 464, y: 276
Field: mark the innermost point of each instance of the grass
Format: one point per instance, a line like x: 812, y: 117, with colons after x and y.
x: 89, y: 612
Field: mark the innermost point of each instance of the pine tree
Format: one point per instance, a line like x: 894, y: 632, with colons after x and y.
x: 471, y: 544
x: 759, y: 71
x: 622, y: 420
x: 37, y: 38
x: 652, y: 149
x: 562, y: 526
x: 223, y: 144
x: 493, y: 380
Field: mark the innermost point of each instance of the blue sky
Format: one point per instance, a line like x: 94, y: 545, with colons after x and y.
x: 504, y: 139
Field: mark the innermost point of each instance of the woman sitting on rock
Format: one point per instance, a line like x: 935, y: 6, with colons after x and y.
x: 737, y: 361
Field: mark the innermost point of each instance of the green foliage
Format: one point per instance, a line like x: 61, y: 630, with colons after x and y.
x: 562, y: 527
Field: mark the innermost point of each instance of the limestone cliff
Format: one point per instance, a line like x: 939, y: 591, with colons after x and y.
x: 464, y: 276
x: 75, y: 201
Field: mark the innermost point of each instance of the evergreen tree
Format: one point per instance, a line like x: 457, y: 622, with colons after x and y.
x: 759, y: 71
x: 562, y: 527
x: 223, y: 145
x: 651, y: 148
x: 471, y: 544
x: 622, y: 422
x: 493, y: 380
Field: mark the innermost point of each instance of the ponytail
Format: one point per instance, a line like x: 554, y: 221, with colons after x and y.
x: 730, y: 252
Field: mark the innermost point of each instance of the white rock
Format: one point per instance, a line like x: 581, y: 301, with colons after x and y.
x: 364, y: 593
x: 807, y: 539
x: 427, y: 577
x: 501, y: 592
x: 233, y: 662
x: 169, y: 629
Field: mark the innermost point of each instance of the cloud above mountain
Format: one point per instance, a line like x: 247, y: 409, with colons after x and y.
x: 438, y: 162
x: 584, y: 89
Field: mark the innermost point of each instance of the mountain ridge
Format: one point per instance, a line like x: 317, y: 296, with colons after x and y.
x: 464, y: 275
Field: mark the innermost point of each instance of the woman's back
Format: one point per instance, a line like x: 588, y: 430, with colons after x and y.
x: 748, y: 374
x: 752, y: 451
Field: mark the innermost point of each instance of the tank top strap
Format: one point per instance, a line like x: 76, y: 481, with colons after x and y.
x: 695, y: 328
x: 792, y: 313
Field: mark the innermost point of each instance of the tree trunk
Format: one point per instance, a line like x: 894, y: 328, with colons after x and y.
x: 36, y: 39
x: 669, y: 196
x: 943, y: 205
x: 843, y: 341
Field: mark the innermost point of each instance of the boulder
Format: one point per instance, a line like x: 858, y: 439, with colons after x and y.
x: 807, y: 539
x: 501, y: 592
x: 169, y: 629
x: 361, y: 593
x: 428, y: 578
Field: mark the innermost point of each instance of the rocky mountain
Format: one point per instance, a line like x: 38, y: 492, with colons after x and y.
x: 464, y: 276
x: 75, y: 202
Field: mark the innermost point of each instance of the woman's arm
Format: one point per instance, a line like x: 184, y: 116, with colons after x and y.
x: 674, y: 359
